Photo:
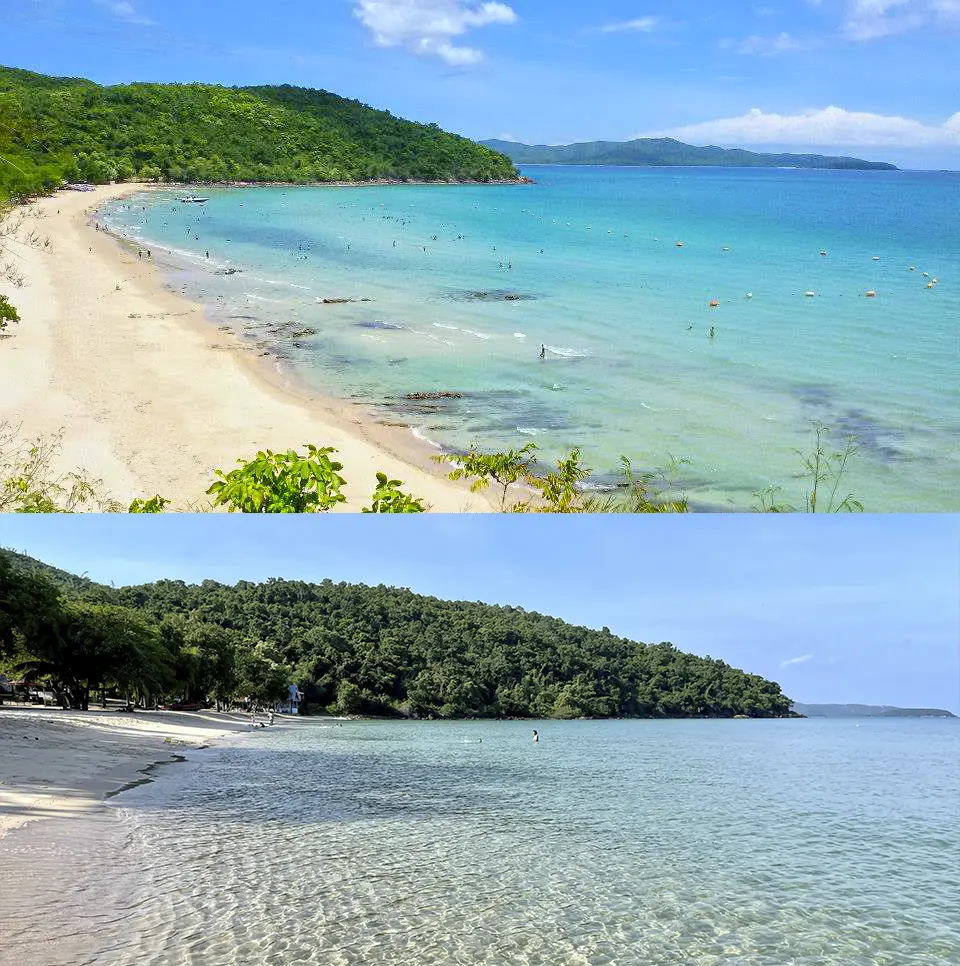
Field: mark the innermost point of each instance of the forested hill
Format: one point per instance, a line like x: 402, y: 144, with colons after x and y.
x: 55, y: 128
x: 667, y: 151
x: 867, y: 711
x: 387, y: 651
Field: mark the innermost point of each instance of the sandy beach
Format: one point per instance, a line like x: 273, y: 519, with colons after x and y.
x: 57, y: 764
x: 150, y: 396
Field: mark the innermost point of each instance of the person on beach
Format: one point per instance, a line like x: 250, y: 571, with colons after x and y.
x: 543, y: 355
x: 536, y: 737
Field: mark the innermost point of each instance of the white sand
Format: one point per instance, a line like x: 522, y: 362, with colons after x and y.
x: 150, y: 395
x: 57, y: 763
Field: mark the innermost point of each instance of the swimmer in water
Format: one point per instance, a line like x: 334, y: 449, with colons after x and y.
x: 543, y: 355
x: 536, y: 737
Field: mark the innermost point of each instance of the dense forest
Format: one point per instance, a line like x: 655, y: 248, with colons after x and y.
x: 56, y: 129
x: 352, y: 649
x: 668, y: 151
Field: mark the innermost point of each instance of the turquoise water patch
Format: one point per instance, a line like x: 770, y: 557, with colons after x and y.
x: 616, y: 272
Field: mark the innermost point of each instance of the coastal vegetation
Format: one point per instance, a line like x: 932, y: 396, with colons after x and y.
x: 61, y: 129
x: 657, y: 152
x: 8, y: 313
x: 310, y: 482
x: 351, y: 649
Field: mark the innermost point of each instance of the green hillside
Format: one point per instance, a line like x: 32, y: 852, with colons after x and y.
x: 368, y: 650
x: 867, y: 711
x: 56, y: 128
x: 667, y: 151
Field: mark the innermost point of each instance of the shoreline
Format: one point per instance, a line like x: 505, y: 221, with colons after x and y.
x: 150, y: 394
x: 63, y: 764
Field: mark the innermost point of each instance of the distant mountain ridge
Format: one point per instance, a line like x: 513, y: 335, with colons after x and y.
x: 867, y: 711
x: 670, y: 152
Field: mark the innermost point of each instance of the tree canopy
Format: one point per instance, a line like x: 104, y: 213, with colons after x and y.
x: 355, y: 649
x: 54, y: 129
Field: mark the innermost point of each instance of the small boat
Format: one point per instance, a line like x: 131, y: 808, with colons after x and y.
x: 809, y: 295
x: 871, y: 294
x: 193, y: 200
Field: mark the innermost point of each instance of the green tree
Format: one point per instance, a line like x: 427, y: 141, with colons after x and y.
x: 8, y: 312
x: 389, y: 498
x: 282, y: 483
x: 263, y: 676
x: 29, y: 608
x: 504, y: 469
x: 94, y: 646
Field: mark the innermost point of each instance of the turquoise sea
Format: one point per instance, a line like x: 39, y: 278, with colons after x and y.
x: 610, y: 843
x: 591, y: 262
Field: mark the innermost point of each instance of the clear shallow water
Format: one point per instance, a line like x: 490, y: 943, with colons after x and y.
x: 811, y: 843
x: 624, y: 311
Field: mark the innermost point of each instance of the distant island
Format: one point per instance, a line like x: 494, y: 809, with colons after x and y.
x: 64, y: 129
x: 351, y: 649
x: 669, y: 152
x: 867, y: 711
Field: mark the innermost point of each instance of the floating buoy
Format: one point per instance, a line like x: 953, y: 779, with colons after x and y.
x: 713, y: 303
x: 870, y: 294
x: 809, y: 295
x: 749, y: 295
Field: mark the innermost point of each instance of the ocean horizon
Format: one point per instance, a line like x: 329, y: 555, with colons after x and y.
x: 609, y: 843
x: 615, y: 271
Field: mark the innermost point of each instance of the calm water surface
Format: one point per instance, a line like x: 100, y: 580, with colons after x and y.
x: 758, y: 843
x: 591, y: 255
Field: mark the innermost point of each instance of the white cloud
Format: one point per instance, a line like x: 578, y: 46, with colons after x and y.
x: 125, y: 10
x: 755, y: 44
x: 872, y: 19
x: 797, y: 660
x: 429, y: 27
x: 828, y: 126
x: 641, y: 25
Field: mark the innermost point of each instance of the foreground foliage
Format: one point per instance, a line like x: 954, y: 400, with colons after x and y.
x: 8, y: 313
x: 352, y: 649
x: 310, y: 482
x: 57, y: 128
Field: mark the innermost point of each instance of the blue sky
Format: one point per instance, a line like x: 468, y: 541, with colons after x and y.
x: 872, y: 78
x: 837, y: 609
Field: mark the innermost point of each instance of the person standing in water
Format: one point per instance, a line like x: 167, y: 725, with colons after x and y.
x: 543, y: 355
x: 536, y: 737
